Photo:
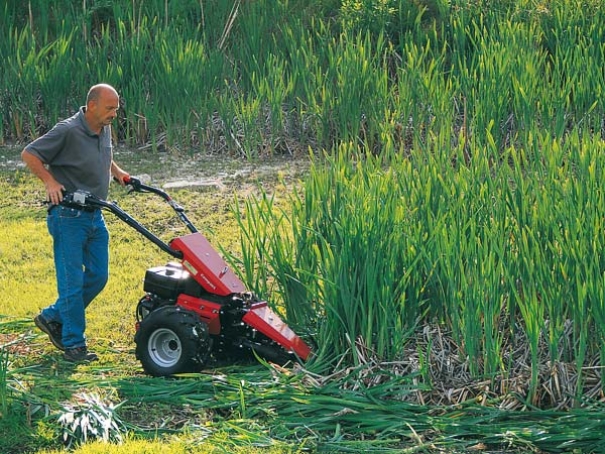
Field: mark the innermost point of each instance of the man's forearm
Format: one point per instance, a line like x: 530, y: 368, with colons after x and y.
x: 53, y: 187
x: 118, y: 173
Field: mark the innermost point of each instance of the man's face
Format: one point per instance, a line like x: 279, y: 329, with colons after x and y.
x: 105, y: 109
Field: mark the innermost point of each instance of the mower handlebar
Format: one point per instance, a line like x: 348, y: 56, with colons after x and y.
x: 138, y: 186
x: 80, y: 199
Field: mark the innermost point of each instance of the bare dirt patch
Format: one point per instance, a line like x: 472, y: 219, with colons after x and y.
x: 178, y: 171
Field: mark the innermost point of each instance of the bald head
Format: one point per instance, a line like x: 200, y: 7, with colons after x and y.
x: 96, y: 91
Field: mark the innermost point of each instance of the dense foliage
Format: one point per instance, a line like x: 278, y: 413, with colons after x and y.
x: 445, y: 248
x: 278, y: 76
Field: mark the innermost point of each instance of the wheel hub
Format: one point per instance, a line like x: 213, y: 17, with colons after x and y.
x: 165, y: 347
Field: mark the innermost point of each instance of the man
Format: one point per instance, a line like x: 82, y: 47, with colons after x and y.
x: 76, y: 154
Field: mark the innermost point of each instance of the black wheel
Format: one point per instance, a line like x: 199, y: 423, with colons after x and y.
x: 171, y: 340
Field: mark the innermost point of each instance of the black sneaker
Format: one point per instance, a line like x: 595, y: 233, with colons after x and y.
x: 79, y: 355
x: 53, y: 329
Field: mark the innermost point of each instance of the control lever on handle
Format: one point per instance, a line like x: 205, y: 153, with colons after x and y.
x: 135, y: 183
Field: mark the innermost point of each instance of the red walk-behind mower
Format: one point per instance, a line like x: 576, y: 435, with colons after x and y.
x: 197, y: 308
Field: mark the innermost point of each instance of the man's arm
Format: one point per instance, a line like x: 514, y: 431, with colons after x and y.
x: 54, y: 189
x: 118, y: 173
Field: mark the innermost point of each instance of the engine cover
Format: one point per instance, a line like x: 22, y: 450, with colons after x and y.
x: 170, y: 281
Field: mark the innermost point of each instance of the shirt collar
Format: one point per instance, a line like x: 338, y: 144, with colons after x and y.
x: 84, y: 123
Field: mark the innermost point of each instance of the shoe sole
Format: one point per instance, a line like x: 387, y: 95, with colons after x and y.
x: 46, y: 331
x: 80, y: 360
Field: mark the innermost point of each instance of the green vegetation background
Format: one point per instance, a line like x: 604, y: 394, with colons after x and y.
x: 444, y: 248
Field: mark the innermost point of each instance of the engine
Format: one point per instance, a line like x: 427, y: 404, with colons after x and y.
x: 168, y: 282
x: 163, y: 285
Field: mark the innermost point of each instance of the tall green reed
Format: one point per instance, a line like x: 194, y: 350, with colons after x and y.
x: 499, y: 252
x: 337, y: 258
x: 454, y: 72
x: 4, y: 389
x: 570, y: 37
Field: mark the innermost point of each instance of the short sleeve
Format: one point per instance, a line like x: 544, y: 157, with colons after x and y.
x: 48, y: 146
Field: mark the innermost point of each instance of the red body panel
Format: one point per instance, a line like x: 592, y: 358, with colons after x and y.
x: 209, y: 269
x: 263, y: 319
x: 208, y: 311
x: 206, y: 266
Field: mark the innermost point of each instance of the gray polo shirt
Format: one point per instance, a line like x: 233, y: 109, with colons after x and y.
x: 77, y: 157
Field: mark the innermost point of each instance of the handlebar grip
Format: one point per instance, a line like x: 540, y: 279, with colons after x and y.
x: 134, y: 182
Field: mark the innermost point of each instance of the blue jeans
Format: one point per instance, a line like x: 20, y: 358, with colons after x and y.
x: 81, y: 250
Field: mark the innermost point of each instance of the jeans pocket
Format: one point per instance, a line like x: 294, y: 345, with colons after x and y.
x: 56, y: 217
x: 68, y: 213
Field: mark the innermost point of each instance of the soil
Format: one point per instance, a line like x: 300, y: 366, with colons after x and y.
x: 178, y: 171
